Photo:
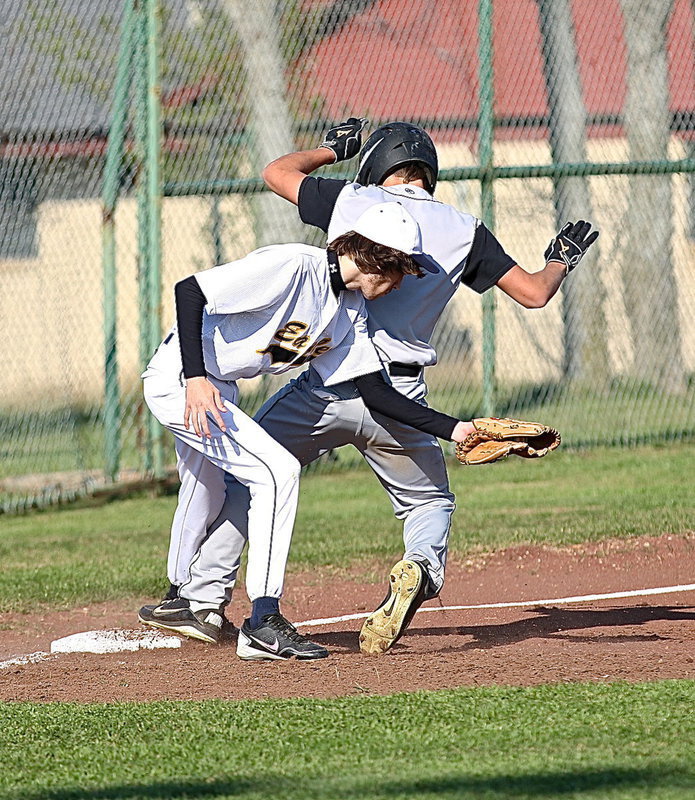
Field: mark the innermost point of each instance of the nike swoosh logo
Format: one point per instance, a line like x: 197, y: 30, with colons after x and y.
x: 388, y: 608
x: 272, y: 646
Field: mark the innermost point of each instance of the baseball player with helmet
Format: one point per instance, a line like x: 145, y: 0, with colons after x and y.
x: 397, y: 163
x: 279, y: 307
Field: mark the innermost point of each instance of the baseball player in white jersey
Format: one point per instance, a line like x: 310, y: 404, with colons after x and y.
x: 398, y: 162
x: 278, y: 308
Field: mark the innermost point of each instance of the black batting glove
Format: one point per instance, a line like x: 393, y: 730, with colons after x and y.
x: 570, y: 244
x: 345, y: 140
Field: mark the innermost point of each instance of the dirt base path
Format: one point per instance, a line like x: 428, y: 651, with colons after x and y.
x: 640, y: 638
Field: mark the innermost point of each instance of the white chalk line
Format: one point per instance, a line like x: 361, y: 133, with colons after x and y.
x: 31, y: 658
x: 106, y: 640
x: 586, y: 598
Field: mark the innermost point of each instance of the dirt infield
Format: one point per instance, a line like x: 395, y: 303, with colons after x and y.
x: 638, y: 638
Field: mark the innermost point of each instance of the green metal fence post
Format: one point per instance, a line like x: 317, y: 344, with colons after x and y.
x: 112, y: 171
x: 154, y: 203
x: 143, y: 213
x: 216, y: 230
x: 486, y: 134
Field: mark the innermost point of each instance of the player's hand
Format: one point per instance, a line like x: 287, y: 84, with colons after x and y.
x: 345, y: 140
x: 202, y: 397
x: 569, y: 246
x: 462, y: 430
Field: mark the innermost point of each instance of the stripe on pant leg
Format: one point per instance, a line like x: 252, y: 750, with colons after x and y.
x: 275, y: 495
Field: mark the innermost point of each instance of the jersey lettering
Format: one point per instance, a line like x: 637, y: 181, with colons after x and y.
x: 280, y: 355
x: 322, y: 346
x: 293, y: 334
x: 290, y: 331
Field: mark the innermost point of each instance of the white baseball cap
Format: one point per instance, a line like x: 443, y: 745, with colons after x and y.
x: 392, y: 225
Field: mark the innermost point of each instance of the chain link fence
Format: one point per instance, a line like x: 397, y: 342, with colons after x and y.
x: 541, y: 110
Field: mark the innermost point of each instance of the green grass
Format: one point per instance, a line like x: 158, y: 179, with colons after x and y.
x: 67, y: 439
x: 566, y: 741
x: 80, y: 555
x: 626, y: 412
x: 72, y: 439
x: 570, y: 742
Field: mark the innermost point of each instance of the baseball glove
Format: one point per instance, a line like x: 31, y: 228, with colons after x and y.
x: 494, y: 439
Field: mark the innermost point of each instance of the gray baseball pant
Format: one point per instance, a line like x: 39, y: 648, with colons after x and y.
x: 310, y: 419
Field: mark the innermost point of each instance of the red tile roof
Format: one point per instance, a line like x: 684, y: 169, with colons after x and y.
x: 417, y: 59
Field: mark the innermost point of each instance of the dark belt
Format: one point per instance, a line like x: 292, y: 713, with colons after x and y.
x: 405, y: 370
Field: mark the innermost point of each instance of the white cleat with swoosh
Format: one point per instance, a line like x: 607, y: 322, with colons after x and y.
x: 275, y: 639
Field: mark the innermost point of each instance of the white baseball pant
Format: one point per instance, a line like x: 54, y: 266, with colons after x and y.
x: 267, y: 470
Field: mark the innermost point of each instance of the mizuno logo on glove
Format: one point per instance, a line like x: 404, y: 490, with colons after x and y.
x: 570, y: 244
x: 345, y: 139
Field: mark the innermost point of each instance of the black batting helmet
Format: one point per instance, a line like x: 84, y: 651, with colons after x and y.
x: 393, y: 145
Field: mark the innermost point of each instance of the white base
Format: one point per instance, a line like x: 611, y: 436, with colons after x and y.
x: 113, y: 642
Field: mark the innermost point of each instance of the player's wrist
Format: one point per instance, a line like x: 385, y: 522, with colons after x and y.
x: 325, y: 149
x: 462, y: 430
x: 557, y: 264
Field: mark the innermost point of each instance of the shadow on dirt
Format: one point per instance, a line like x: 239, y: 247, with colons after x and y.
x: 553, y: 622
x: 546, y: 622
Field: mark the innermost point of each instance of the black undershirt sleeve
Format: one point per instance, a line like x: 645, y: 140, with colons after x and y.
x: 381, y: 397
x: 487, y: 261
x: 316, y: 200
x: 190, y: 303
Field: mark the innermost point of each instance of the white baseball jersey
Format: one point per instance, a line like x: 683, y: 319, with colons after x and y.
x: 458, y: 244
x: 266, y: 313
x: 274, y: 310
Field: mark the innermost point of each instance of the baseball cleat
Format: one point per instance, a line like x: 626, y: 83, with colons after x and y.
x: 385, y: 626
x: 275, y: 639
x: 175, y: 615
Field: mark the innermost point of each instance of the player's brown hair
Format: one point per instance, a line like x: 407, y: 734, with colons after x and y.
x: 412, y: 171
x: 373, y: 258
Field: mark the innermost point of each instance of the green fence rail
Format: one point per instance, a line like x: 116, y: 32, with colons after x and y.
x: 133, y: 160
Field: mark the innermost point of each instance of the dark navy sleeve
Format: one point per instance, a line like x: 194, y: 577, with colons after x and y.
x: 317, y: 199
x: 190, y: 302
x: 487, y: 262
x: 381, y: 397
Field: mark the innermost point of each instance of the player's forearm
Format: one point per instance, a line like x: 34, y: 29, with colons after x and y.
x: 190, y: 302
x: 533, y: 289
x: 562, y: 255
x: 285, y: 175
x: 379, y: 396
x: 545, y: 283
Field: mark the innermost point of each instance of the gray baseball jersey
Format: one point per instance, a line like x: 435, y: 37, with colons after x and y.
x: 461, y: 247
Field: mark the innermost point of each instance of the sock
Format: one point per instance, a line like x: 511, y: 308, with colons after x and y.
x: 173, y: 592
x: 261, y: 607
